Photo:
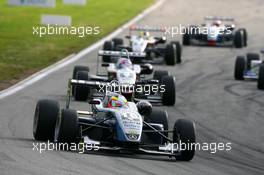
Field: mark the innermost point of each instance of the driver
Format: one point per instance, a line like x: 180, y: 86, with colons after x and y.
x: 124, y: 63
x: 116, y: 100
x: 217, y: 23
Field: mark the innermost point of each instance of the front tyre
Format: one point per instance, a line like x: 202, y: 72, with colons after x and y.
x: 109, y: 46
x: 170, y: 54
x: 67, y: 127
x: 240, y: 66
x: 184, y: 133
x: 46, y: 114
x: 169, y: 95
x: 81, y: 92
x: 261, y: 77
x: 178, y: 51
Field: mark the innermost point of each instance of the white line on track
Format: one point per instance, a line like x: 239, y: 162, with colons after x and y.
x: 73, y: 58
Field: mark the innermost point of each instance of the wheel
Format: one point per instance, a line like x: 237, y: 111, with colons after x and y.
x: 251, y: 57
x: 186, y: 38
x: 169, y: 96
x: 178, y: 51
x: 261, y: 77
x: 245, y: 36
x: 158, y: 74
x: 46, y: 114
x: 77, y: 69
x: 117, y: 42
x: 67, y: 127
x: 81, y: 93
x: 170, y: 54
x: 108, y: 45
x: 240, y: 66
x: 184, y: 132
x: 158, y: 117
x: 238, y: 39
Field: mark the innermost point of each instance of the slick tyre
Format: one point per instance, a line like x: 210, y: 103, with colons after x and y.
x: 46, y: 114
x: 261, y: 77
x: 170, y: 54
x: 67, y: 127
x: 158, y: 117
x: 184, y: 132
x: 169, y: 96
x: 74, y: 74
x: 109, y: 46
x: 81, y: 93
x: 159, y: 74
x: 240, y: 66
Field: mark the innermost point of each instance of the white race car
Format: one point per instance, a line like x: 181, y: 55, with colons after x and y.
x: 216, y: 31
x: 115, y: 125
x: 154, y: 47
x: 129, y: 78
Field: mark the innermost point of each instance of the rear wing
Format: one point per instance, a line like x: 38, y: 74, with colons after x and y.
x: 146, y: 29
x: 121, y: 53
x: 222, y: 18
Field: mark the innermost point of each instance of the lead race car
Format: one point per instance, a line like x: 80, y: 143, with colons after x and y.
x: 216, y: 31
x: 155, y: 47
x: 250, y: 67
x: 129, y: 79
x: 114, y: 124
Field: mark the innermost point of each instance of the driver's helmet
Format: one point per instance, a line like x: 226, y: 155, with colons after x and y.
x: 124, y: 63
x: 217, y: 23
x: 145, y: 34
x: 116, y: 100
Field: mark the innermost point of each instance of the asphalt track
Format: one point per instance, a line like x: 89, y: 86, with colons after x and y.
x: 224, y: 110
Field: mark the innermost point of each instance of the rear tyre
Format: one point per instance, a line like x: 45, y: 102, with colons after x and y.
x: 240, y: 66
x: 238, y: 39
x: 81, y: 93
x: 46, y: 114
x: 158, y: 117
x: 244, y: 31
x: 170, y: 54
x: 184, y: 132
x: 117, y: 42
x: 67, y: 127
x: 251, y: 57
x: 158, y: 74
x: 178, y: 51
x: 169, y: 96
x: 261, y: 77
x: 74, y: 74
x: 186, y: 38
x: 109, y: 46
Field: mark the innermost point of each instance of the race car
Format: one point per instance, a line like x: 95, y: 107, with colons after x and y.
x: 216, y: 31
x: 116, y: 125
x: 156, y: 49
x: 250, y: 67
x: 129, y: 79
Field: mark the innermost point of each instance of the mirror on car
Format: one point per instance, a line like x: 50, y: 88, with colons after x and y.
x: 105, y: 65
x: 262, y: 51
x: 94, y: 102
x: 146, y: 69
x: 128, y: 37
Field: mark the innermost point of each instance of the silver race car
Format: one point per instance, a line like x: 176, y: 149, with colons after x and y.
x: 115, y: 125
x: 155, y: 47
x: 130, y: 80
x: 216, y: 31
x: 250, y: 67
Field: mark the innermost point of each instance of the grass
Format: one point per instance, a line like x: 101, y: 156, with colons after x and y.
x: 22, y: 53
